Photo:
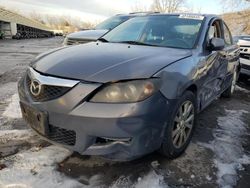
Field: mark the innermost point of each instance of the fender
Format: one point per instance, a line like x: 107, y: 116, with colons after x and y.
x: 178, y: 77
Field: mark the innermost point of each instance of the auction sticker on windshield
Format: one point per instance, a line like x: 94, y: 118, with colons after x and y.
x: 191, y: 16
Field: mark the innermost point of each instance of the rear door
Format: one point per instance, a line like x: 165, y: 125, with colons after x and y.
x: 231, y: 55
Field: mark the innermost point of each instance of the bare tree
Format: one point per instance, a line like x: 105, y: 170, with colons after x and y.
x: 37, y: 17
x: 139, y: 7
x: 168, y: 6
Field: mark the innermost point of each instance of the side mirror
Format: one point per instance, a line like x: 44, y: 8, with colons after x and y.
x: 216, y: 44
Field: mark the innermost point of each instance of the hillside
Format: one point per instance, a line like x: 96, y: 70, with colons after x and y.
x: 238, y: 22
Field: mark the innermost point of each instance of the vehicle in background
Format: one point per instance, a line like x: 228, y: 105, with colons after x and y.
x: 86, y: 36
x: 244, y: 43
x: 1, y: 35
x: 28, y: 35
x: 59, y: 34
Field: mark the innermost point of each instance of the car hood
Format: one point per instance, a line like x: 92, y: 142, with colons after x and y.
x: 244, y: 42
x: 88, y: 34
x: 104, y: 62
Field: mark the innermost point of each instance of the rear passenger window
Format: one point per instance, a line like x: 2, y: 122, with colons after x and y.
x: 227, y: 35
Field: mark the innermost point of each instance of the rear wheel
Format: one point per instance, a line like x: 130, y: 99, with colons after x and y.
x: 244, y: 78
x: 180, y: 127
x: 229, y: 91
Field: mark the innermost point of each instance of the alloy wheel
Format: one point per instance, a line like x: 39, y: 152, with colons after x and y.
x: 183, y: 124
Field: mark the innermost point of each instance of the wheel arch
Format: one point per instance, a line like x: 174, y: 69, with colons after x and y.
x: 192, y: 88
x: 178, y: 78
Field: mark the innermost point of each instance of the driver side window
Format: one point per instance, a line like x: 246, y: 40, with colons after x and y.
x: 214, y: 30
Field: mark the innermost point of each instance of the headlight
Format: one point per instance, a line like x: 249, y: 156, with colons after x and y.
x: 130, y: 91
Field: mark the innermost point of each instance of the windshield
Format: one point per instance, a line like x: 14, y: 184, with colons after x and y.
x: 162, y: 30
x: 111, y: 23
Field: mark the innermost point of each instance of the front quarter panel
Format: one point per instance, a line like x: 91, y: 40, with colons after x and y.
x: 177, y: 77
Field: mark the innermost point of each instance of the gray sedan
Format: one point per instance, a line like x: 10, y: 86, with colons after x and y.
x: 136, y: 90
x: 86, y: 36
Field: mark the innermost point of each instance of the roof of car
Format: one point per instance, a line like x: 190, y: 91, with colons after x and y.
x: 192, y: 14
x: 134, y: 14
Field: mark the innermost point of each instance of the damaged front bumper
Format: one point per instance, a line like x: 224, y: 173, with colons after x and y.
x: 115, y: 131
x: 245, y: 60
x: 245, y: 66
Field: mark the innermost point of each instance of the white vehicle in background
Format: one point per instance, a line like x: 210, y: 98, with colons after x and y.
x: 244, y: 43
x: 91, y: 35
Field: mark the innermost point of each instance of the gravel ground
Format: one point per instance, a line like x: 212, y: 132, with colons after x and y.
x: 218, y: 156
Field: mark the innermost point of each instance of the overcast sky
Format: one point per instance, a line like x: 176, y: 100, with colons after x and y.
x: 96, y: 9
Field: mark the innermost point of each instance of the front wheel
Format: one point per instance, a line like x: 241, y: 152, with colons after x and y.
x: 180, y: 126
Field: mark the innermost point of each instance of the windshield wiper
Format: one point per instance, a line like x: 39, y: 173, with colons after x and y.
x: 102, y: 39
x: 136, y: 43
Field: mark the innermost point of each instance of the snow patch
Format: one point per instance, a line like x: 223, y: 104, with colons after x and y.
x: 13, y: 110
x: 151, y: 180
x: 228, y: 147
x: 10, y: 135
x: 155, y: 164
x: 7, y: 90
x: 36, y: 169
x: 242, y: 89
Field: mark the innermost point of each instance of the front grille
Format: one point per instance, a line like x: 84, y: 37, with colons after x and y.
x: 107, y: 141
x: 245, y: 56
x: 62, y: 136
x: 245, y: 50
x: 48, y: 92
x: 77, y: 41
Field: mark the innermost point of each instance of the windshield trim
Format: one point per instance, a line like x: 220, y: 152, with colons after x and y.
x: 199, y: 33
x: 148, y: 45
x: 145, y: 45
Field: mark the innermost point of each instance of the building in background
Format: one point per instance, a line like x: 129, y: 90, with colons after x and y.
x: 13, y: 25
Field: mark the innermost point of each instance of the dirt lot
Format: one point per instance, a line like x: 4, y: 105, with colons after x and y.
x: 219, y: 155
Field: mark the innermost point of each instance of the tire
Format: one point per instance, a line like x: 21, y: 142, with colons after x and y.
x: 230, y: 90
x: 169, y: 146
x: 243, y: 78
